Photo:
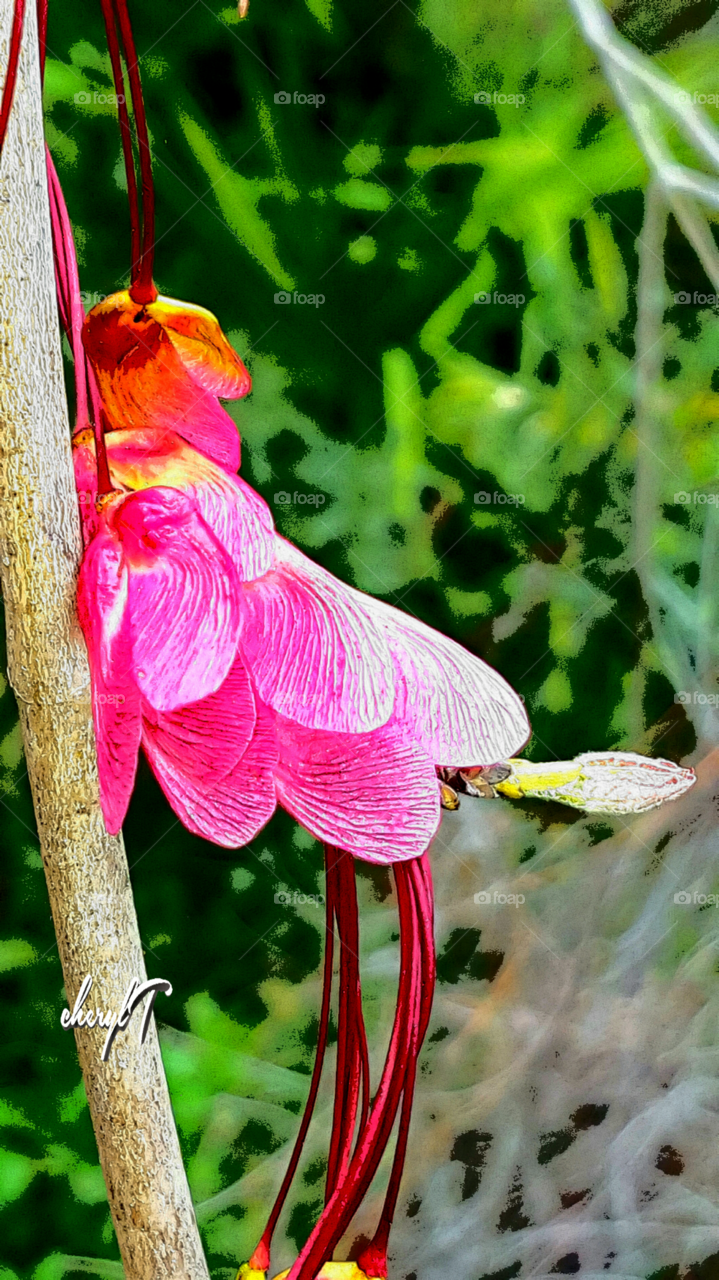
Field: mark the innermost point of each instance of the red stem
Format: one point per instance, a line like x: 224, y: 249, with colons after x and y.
x: 42, y: 35
x: 373, y: 1260
x: 142, y: 289
x: 373, y: 1140
x: 72, y: 313
x: 72, y: 316
x: 113, y: 46
x: 8, y: 92
x: 261, y: 1257
x: 352, y: 1069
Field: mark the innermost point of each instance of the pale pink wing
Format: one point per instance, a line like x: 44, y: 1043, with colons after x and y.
x: 239, y: 518
x: 102, y: 608
x: 460, y: 708
x: 205, y: 740
x: 182, y: 598
x: 375, y: 794
x: 232, y: 812
x: 314, y: 654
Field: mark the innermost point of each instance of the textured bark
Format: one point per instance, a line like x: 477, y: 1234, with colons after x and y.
x: 87, y: 873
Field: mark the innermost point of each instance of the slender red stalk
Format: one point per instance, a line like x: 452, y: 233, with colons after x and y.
x: 113, y: 46
x: 72, y: 314
x: 373, y: 1260
x: 352, y: 1069
x: 372, y: 1141
x: 260, y: 1259
x: 42, y: 35
x: 8, y: 92
x: 142, y: 289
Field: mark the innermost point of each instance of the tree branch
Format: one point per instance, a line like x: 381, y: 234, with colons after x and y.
x: 86, y: 870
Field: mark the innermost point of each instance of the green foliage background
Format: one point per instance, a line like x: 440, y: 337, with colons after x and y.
x: 397, y: 400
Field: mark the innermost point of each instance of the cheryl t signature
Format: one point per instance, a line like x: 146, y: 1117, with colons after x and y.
x: 109, y: 1022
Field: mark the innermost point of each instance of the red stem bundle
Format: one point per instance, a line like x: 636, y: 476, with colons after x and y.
x: 352, y: 1071
x: 72, y: 314
x: 260, y: 1259
x: 411, y: 1018
x: 8, y: 92
x: 115, y: 13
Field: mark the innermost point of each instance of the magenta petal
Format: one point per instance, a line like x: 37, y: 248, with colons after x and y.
x: 231, y: 813
x: 460, y: 708
x: 205, y: 740
x: 374, y: 794
x: 239, y: 518
x: 182, y: 598
x: 314, y: 653
x: 102, y: 602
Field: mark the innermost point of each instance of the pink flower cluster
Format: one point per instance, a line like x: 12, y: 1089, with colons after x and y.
x: 248, y: 674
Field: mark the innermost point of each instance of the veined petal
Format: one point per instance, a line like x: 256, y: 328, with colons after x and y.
x: 102, y: 608
x: 182, y: 598
x: 373, y: 794
x: 314, y: 653
x: 205, y: 740
x: 202, y: 346
x: 231, y: 813
x: 239, y: 518
x: 461, y: 709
